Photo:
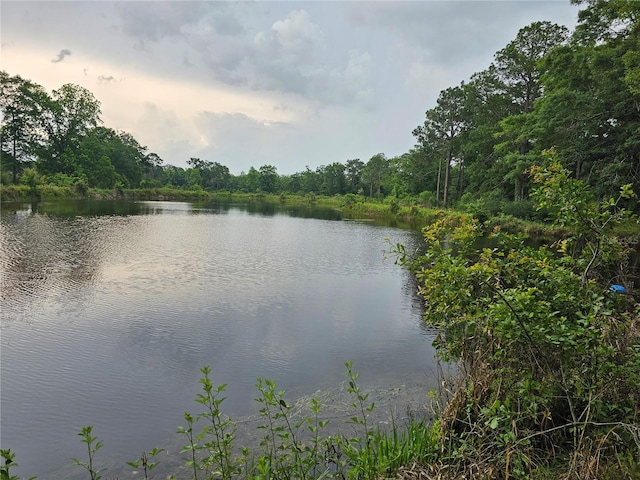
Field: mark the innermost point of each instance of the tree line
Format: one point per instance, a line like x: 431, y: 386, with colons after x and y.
x: 576, y: 92
x: 60, y: 137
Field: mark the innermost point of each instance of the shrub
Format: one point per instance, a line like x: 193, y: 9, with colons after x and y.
x: 427, y: 199
x: 549, y: 360
x: 524, y: 209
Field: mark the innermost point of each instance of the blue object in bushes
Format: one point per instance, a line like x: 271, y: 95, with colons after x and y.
x: 617, y: 289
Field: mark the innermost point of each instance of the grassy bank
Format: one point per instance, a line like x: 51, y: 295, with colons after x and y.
x: 404, y: 214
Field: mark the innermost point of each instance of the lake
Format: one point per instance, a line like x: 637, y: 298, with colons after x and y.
x: 110, y: 309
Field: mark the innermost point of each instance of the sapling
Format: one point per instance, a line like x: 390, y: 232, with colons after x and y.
x: 145, y: 463
x: 93, y: 445
x: 9, y: 462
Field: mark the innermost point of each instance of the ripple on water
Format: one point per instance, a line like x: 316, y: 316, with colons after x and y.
x: 110, y: 319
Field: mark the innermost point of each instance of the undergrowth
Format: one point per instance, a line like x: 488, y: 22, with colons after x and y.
x: 549, y: 356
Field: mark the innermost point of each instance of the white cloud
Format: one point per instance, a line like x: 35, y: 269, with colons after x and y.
x: 298, y: 36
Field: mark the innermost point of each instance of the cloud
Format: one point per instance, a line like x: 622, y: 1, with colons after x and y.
x: 153, y: 22
x: 451, y: 33
x: 297, y: 36
x: 61, y: 56
x: 261, y: 48
x: 106, y: 79
x: 280, y: 58
x: 293, y: 56
x: 235, y: 135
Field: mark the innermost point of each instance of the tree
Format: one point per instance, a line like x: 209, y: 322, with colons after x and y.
x: 21, y: 106
x: 486, y: 105
x: 175, y: 176
x: 219, y: 176
x: 107, y: 158
x: 212, y: 175
x: 604, y: 20
x: 128, y: 157
x: 333, y: 179
x: 92, y: 160
x: 152, y: 165
x: 518, y: 65
x: 248, y: 182
x: 269, y: 178
x: 441, y: 129
x: 310, y: 180
x: 589, y: 111
x: 373, y: 172
x: 68, y: 115
x: 353, y: 170
x: 417, y: 170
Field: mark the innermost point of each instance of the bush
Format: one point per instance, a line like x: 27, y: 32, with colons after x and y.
x: 483, y: 206
x: 394, y: 204
x: 549, y: 360
x: 524, y: 209
x: 427, y: 199
x: 10, y: 193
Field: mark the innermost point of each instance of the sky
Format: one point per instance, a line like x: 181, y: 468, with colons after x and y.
x: 283, y: 83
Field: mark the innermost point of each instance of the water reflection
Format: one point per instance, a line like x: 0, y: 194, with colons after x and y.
x: 48, y: 258
x: 73, y: 208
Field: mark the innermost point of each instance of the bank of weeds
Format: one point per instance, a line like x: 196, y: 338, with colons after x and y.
x: 549, y: 357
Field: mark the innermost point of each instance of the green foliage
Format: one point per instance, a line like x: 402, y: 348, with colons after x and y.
x: 427, y: 199
x: 145, y: 462
x: 217, y: 436
x: 9, y: 462
x: 548, y: 358
x: 210, y: 451
x: 93, y: 445
x: 31, y: 178
x: 192, y: 447
x: 394, y: 204
x: 482, y: 206
x: 572, y: 204
x: 361, y: 450
x: 282, y: 449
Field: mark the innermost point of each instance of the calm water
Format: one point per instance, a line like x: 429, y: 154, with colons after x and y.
x: 110, y: 309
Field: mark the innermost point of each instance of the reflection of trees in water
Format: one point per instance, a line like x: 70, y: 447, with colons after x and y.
x: 299, y: 211
x: 47, y: 250
x: 75, y: 208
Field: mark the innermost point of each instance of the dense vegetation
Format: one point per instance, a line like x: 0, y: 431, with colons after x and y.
x: 549, y: 355
x: 578, y: 92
